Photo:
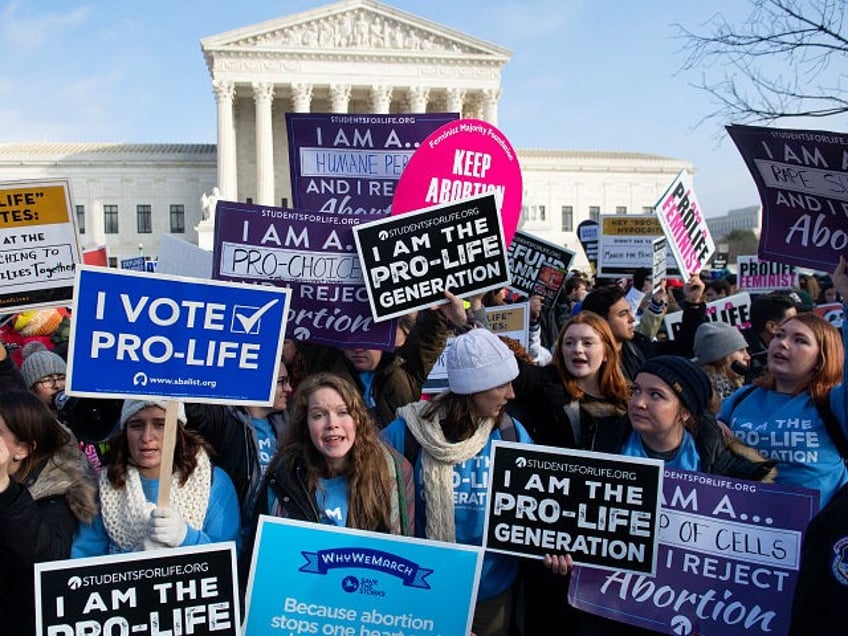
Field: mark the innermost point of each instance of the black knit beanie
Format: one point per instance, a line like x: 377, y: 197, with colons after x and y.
x: 688, y: 382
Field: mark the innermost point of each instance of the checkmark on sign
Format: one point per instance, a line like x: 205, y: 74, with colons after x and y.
x: 247, y: 319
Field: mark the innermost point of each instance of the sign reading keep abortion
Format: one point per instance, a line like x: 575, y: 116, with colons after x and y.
x: 135, y: 335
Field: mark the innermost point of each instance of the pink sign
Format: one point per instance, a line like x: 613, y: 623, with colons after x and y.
x: 463, y: 158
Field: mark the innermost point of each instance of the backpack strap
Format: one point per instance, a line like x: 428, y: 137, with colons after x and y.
x: 832, y: 426
x: 506, y: 426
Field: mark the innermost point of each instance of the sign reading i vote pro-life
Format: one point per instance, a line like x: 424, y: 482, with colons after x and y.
x: 307, y: 578
x: 134, y: 334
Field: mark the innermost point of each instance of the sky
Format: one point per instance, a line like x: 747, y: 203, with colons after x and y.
x: 584, y: 75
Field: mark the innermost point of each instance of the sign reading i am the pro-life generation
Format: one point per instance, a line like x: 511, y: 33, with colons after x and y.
x: 802, y: 178
x: 348, y: 163
x: 135, y: 334
x: 729, y: 553
x: 38, y: 244
x: 685, y: 227
x: 412, y: 259
x: 190, y: 590
x: 308, y: 578
x: 527, y: 254
x: 603, y: 509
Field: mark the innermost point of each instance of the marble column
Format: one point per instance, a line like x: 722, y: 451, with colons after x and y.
x: 456, y: 96
x: 381, y: 99
x: 301, y: 96
x: 418, y: 96
x: 227, y: 175
x: 491, y: 96
x: 340, y: 97
x: 263, y: 96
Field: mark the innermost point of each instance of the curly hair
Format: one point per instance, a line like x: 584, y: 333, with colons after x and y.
x: 369, y: 480
x: 611, y: 381
x: 186, y: 447
x: 828, y: 371
x: 32, y: 423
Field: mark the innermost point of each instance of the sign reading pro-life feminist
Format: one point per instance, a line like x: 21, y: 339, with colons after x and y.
x: 603, y: 509
x: 729, y: 552
x: 462, y: 159
x: 312, y: 253
x: 680, y: 215
x: 348, y: 164
x: 802, y: 178
x: 190, y: 590
x: 527, y: 255
x: 38, y: 244
x: 756, y: 275
x: 134, y: 334
x: 308, y: 578
x: 412, y: 259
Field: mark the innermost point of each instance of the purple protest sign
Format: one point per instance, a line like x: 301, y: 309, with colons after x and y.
x: 803, y: 183
x: 310, y: 252
x: 349, y: 163
x: 729, y: 552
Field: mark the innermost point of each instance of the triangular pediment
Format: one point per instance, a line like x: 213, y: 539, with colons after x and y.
x: 353, y: 25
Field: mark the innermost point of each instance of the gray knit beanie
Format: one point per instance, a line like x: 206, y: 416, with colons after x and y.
x: 714, y: 340
x: 40, y: 364
x: 131, y: 407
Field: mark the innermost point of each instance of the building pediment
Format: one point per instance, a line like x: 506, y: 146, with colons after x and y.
x: 352, y: 26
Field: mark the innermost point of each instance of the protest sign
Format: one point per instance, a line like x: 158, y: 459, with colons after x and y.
x: 348, y: 164
x: 720, y: 260
x: 191, y: 590
x: 135, y: 264
x: 603, y: 509
x: 802, y: 178
x: 659, y: 265
x: 626, y: 243
x: 181, y: 258
x: 759, y: 276
x: 832, y: 312
x: 134, y: 334
x: 588, y: 233
x: 313, y: 254
x: 685, y: 228
x: 511, y: 321
x: 728, y: 554
x: 39, y: 244
x: 548, y: 285
x: 734, y: 310
x: 308, y: 578
x: 413, y: 258
x: 98, y: 256
x: 463, y: 159
x: 526, y: 256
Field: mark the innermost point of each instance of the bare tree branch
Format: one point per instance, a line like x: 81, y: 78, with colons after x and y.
x: 788, y: 59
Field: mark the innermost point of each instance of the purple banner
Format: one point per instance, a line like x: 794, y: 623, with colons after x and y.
x: 729, y: 552
x: 310, y: 252
x: 349, y: 164
x: 803, y: 183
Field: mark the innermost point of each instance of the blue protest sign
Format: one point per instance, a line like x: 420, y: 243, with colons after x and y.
x: 133, y: 334
x: 136, y: 263
x: 307, y: 578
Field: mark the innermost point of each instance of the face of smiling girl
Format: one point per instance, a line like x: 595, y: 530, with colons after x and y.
x: 331, y: 426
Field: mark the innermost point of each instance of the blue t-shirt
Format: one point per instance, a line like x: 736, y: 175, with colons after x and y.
x: 686, y: 458
x: 266, y: 441
x: 470, y: 479
x: 331, y: 501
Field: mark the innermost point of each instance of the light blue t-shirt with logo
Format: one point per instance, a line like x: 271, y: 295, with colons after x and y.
x: 331, y: 501
x: 266, y: 441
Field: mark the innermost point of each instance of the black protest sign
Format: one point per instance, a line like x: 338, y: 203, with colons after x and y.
x: 411, y: 259
x: 602, y: 509
x: 588, y: 233
x: 176, y: 591
x: 528, y: 254
x: 548, y: 285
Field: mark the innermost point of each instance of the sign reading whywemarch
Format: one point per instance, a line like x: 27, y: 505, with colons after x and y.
x: 527, y: 255
x: 192, y: 590
x: 729, y: 552
x: 135, y: 334
x: 602, y: 509
x: 411, y: 259
x: 308, y: 578
x: 314, y: 255
x: 38, y: 244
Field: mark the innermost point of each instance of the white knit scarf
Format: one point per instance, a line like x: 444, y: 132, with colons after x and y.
x: 438, y: 457
x: 126, y: 511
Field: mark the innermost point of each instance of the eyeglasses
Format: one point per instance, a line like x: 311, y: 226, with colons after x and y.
x: 283, y: 380
x: 51, y: 380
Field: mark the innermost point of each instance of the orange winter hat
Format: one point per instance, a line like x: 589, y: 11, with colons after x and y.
x: 37, y: 322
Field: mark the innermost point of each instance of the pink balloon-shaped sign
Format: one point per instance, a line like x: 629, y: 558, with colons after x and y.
x: 462, y: 159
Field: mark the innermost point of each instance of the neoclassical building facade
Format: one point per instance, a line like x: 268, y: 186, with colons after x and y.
x: 354, y: 56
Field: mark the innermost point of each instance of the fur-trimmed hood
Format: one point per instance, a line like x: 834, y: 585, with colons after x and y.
x: 68, y: 473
